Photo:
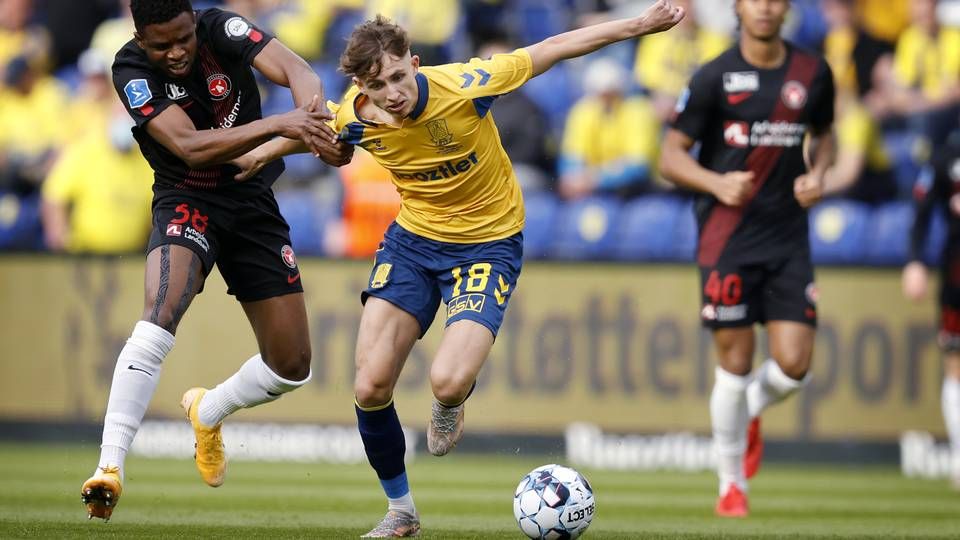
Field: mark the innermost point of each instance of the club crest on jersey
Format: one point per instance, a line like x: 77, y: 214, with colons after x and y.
x: 439, y: 132
x: 175, y: 91
x: 238, y: 28
x: 741, y: 81
x: 138, y: 93
x: 288, y: 256
x: 794, y: 95
x: 736, y: 134
x: 219, y: 86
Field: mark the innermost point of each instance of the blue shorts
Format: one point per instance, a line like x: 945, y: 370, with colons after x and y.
x: 474, y: 280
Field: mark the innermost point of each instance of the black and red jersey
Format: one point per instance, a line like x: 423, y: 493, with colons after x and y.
x: 220, y: 92
x: 753, y: 119
x: 938, y: 186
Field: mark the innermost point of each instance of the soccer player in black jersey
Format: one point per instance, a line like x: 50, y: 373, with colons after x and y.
x: 751, y: 109
x: 186, y: 80
x: 938, y: 188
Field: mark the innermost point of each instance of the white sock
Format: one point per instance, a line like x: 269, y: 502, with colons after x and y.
x: 135, y: 378
x: 950, y: 403
x: 770, y: 385
x: 403, y: 504
x: 728, y: 414
x: 253, y: 384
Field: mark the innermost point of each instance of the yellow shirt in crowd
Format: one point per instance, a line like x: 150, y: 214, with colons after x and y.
x: 431, y: 22
x: 32, y: 123
x: 108, y: 193
x: 858, y: 132
x: 928, y: 63
x: 666, y: 61
x: 596, y: 136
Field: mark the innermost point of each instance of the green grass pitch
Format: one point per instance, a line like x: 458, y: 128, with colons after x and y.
x: 458, y: 496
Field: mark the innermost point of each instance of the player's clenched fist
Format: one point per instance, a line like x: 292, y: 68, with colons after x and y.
x: 662, y: 15
x: 808, y: 189
x: 734, y: 187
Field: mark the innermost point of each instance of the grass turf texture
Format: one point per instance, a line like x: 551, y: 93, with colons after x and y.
x: 458, y: 496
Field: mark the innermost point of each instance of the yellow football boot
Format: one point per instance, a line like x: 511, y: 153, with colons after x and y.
x: 209, y: 454
x: 101, y: 493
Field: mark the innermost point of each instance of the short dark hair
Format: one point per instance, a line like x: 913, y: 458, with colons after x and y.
x: 147, y: 12
x: 367, y: 44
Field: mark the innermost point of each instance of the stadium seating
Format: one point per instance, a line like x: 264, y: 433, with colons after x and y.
x: 838, y: 232
x: 308, y: 217
x: 647, y: 228
x: 20, y: 226
x: 888, y: 234
x: 901, y: 147
x: 540, y: 228
x: 936, y: 239
x: 586, y: 229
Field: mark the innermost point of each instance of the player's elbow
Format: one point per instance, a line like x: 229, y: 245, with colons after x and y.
x: 666, y: 164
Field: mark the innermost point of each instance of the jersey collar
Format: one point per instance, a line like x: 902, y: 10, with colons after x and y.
x: 423, y: 94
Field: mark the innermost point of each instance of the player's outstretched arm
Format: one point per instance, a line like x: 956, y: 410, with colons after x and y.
x: 284, y: 67
x: 204, y: 148
x: 661, y: 16
x: 678, y: 166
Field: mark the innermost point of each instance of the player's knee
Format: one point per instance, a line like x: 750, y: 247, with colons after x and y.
x: 450, y: 387
x: 293, y: 365
x: 371, y: 392
x: 795, y: 365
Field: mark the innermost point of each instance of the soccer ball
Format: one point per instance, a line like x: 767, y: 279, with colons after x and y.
x: 553, y: 502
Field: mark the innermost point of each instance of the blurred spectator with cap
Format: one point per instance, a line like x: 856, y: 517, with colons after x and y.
x: 18, y: 36
x: 610, y: 140
x: 32, y: 110
x: 95, y: 96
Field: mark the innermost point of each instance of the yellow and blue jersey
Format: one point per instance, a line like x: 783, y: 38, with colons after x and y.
x: 455, y: 180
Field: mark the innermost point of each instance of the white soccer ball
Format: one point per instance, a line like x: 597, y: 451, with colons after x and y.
x: 553, y: 502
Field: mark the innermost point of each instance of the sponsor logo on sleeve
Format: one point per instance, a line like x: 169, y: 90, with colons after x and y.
x: 237, y: 28
x: 138, y: 93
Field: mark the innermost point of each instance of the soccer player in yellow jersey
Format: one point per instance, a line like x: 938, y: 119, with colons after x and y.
x: 458, y: 235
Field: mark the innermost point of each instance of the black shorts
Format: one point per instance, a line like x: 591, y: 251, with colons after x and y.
x: 949, y: 336
x: 247, y: 239
x: 738, y: 294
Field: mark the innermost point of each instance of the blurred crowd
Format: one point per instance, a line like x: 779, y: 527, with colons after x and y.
x: 584, y: 136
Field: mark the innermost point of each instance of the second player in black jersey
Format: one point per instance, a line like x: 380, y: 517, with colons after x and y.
x: 751, y: 110
x: 938, y: 190
x: 187, y: 80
